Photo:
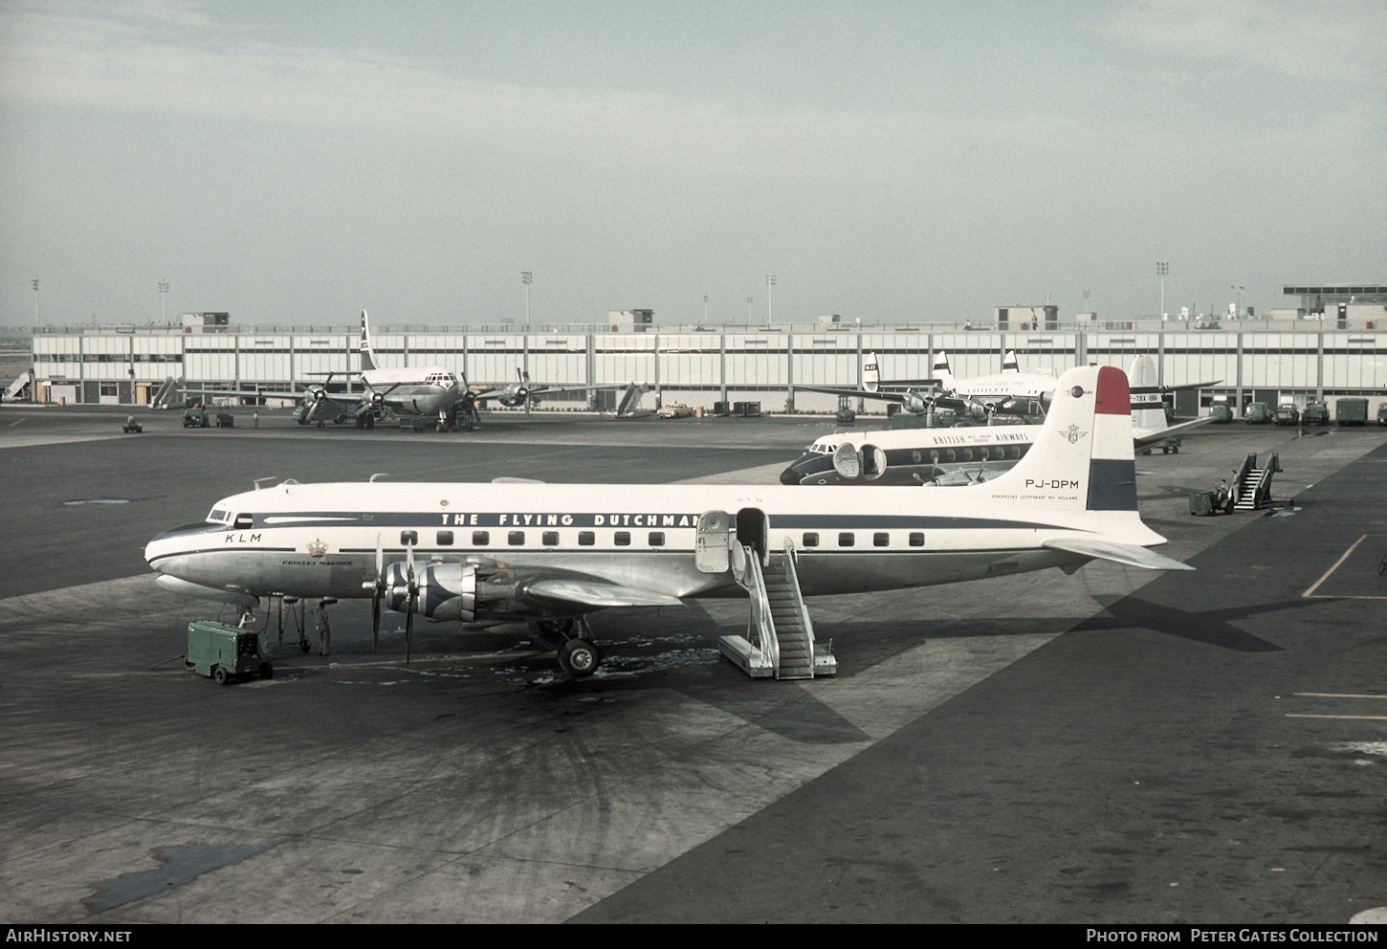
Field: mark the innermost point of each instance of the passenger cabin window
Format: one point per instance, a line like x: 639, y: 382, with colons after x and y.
x: 481, y: 538
x: 409, y: 538
x: 445, y: 538
x: 622, y: 539
x: 516, y: 538
x: 917, y: 539
x: 586, y: 538
x: 845, y: 539
x: 881, y: 539
x: 657, y: 538
x: 810, y: 539
x: 551, y: 538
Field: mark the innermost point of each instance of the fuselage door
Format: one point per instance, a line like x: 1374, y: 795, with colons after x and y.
x: 711, y: 546
x: 753, y: 530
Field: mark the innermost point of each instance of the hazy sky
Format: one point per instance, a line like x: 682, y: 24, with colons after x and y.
x: 294, y: 161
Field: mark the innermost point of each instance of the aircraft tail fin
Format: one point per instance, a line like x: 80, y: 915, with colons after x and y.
x: 368, y: 361
x: 1010, y: 363
x: 1082, y: 458
x: 1148, y: 412
x: 940, y: 371
x: 871, y: 373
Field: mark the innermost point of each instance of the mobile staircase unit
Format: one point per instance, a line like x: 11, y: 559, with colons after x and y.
x: 1253, y: 484
x: 21, y: 388
x: 165, y: 394
x: 779, y: 640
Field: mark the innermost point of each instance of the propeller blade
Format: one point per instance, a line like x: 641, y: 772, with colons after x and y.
x: 411, y: 601
x: 376, y: 595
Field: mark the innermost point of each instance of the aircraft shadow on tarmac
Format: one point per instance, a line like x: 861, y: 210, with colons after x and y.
x: 1210, y: 627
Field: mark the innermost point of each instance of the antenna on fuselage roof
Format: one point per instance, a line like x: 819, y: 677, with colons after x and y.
x: 257, y: 481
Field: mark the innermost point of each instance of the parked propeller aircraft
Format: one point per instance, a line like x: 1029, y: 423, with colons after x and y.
x: 962, y: 455
x: 1011, y: 392
x: 427, y: 391
x: 553, y: 554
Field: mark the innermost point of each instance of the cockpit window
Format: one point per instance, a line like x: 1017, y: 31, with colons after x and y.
x: 243, y: 521
x: 218, y: 517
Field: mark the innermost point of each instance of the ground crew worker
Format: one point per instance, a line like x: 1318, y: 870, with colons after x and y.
x: 324, y: 630
x: 1221, y: 494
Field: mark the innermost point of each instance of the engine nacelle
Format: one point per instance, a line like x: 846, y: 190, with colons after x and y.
x: 447, y: 591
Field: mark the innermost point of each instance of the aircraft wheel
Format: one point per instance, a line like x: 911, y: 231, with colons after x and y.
x: 304, y: 645
x: 219, y: 674
x: 579, y: 658
x: 370, y: 421
x: 267, y: 671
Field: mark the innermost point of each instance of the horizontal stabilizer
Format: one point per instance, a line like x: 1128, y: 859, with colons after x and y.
x: 598, y: 595
x: 510, y: 479
x: 1129, y: 555
x: 187, y: 588
x: 1147, y: 438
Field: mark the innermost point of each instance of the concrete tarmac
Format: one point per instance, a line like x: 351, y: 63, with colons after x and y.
x: 1111, y: 746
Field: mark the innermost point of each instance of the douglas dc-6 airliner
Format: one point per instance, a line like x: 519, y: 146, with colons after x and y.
x: 553, y: 553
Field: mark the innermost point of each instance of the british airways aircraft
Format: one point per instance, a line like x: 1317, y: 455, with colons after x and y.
x: 553, y: 553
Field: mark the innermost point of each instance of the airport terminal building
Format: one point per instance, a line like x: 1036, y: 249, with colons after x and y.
x: 1332, y: 344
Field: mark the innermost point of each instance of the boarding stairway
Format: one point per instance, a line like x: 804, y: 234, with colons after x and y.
x: 779, y: 640
x: 1252, y: 488
x: 165, y: 394
x: 21, y: 388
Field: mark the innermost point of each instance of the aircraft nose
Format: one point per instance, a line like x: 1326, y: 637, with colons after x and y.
x: 169, y: 543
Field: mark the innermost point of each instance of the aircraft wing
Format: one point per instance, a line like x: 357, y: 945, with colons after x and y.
x: 1192, y: 385
x: 595, y: 594
x: 277, y: 394
x: 1129, y: 555
x: 1147, y: 438
x: 855, y: 393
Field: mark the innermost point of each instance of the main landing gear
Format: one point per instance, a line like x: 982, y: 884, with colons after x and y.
x: 579, y: 656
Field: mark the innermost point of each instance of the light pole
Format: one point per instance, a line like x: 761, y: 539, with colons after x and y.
x: 527, y: 277
x: 163, y: 289
x: 1162, y: 269
x: 770, y: 299
x: 748, y: 309
x: 705, y: 309
x: 36, y: 300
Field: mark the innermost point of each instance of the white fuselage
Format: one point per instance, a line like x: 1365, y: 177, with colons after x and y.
x: 321, y: 540
x: 419, y: 390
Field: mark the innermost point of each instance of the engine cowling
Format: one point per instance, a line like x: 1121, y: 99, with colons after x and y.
x: 446, y: 591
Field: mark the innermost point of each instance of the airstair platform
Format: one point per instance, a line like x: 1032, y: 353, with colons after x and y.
x: 779, y: 642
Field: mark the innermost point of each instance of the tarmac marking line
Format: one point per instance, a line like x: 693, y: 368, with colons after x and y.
x: 1337, y: 564
x: 1337, y: 695
x: 1366, y: 718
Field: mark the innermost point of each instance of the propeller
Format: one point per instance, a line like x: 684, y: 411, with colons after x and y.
x: 411, y: 599
x: 377, y: 592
